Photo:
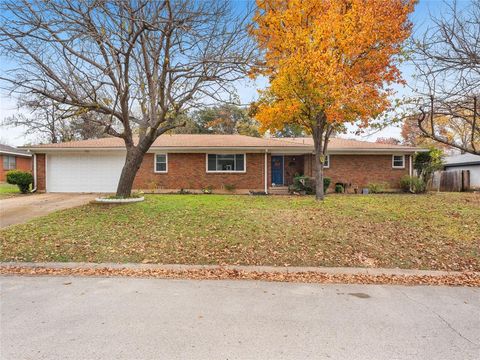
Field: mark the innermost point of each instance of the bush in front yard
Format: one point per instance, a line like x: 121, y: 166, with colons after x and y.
x: 413, y: 184
x: 22, y: 179
x: 303, y: 184
x: 326, y: 183
x: 339, y: 188
x: 426, y: 163
x: 230, y: 187
x: 374, y: 188
x: 307, y: 184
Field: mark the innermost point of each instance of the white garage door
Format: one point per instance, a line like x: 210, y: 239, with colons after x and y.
x: 84, y: 172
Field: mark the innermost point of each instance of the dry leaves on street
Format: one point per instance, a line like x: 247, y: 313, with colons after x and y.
x: 463, y: 279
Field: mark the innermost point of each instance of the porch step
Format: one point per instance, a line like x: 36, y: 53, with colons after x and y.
x: 278, y: 190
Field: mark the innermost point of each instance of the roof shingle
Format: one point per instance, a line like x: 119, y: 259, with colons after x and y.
x: 340, y: 143
x: 190, y: 141
x: 179, y: 141
x: 5, y: 149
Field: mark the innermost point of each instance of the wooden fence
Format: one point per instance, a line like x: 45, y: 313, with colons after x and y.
x: 452, y: 180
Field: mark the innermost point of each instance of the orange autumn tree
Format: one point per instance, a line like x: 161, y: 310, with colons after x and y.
x: 329, y: 62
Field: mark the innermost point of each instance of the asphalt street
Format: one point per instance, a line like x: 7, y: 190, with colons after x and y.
x: 128, y: 318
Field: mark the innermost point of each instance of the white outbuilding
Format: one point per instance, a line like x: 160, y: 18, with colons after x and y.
x: 465, y: 162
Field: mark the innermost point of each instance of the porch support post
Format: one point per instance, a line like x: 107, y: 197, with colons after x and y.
x: 35, y: 172
x: 410, y: 168
x: 266, y: 171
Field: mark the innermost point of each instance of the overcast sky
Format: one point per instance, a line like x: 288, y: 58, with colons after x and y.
x: 247, y: 90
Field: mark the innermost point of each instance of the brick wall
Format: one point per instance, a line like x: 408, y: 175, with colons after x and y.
x: 188, y: 171
x: 40, y: 172
x: 22, y: 163
x: 360, y: 170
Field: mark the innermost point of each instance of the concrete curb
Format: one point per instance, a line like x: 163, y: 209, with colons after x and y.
x: 101, y: 200
x: 244, y: 268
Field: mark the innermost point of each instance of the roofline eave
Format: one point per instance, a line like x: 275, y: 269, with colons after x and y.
x: 270, y: 149
x: 15, y: 153
x: 467, y: 163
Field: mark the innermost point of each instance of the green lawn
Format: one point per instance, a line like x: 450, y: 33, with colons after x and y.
x: 435, y: 231
x: 7, y: 190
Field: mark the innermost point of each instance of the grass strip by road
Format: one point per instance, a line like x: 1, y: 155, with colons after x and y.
x: 8, y: 190
x: 469, y: 279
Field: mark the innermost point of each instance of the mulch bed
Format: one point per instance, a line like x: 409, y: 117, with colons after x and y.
x: 464, y: 279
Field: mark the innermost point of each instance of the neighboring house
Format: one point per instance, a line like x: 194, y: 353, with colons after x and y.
x: 465, y: 162
x: 194, y: 162
x: 13, y: 158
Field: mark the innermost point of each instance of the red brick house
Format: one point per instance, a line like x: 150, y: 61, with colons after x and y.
x: 12, y: 158
x: 220, y: 162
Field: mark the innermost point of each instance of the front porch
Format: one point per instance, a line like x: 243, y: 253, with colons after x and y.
x: 283, y: 169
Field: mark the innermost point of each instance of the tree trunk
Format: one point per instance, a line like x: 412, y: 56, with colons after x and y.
x: 319, y: 193
x: 133, y: 161
x: 321, y: 133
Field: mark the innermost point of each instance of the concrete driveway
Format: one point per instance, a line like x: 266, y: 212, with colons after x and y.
x: 127, y: 318
x: 19, y: 209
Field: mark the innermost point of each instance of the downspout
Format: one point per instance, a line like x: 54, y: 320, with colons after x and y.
x: 266, y: 171
x: 34, y: 173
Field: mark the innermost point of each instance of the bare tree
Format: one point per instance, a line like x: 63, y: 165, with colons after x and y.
x: 139, y: 63
x: 43, y: 118
x: 51, y: 122
x: 389, y: 140
x: 447, y: 62
x: 226, y: 119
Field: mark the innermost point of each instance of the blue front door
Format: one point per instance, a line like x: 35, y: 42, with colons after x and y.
x: 277, y: 170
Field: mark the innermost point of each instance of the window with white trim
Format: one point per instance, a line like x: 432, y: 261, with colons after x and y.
x: 9, y: 162
x: 226, y: 162
x: 398, y: 161
x: 326, y: 162
x: 161, y: 163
